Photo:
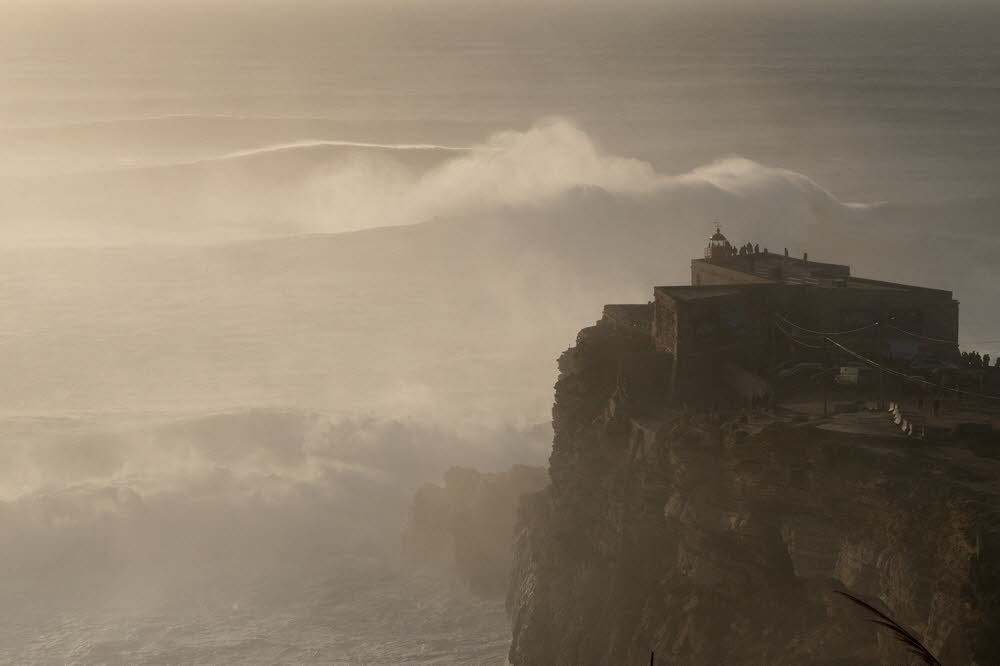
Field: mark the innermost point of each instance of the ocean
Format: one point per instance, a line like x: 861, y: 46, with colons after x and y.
x: 265, y: 269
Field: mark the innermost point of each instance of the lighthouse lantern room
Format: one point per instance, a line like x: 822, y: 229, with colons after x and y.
x: 718, y: 247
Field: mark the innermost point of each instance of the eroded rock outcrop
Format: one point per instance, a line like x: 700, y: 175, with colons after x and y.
x: 720, y: 540
x: 466, y: 524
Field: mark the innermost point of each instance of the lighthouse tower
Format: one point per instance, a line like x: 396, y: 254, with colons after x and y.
x: 718, y: 247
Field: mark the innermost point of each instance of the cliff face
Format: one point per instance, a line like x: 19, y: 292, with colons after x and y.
x: 715, y: 540
x: 465, y: 525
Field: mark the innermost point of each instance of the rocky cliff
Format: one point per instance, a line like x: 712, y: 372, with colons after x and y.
x: 464, y: 525
x: 719, y: 539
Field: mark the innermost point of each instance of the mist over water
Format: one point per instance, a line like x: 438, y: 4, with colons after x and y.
x: 264, y: 273
x: 258, y: 536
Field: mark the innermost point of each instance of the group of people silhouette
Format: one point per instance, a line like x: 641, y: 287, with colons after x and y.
x: 976, y: 361
x: 747, y: 249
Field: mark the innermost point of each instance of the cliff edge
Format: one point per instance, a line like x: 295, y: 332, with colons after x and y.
x: 720, y: 538
x: 464, y: 525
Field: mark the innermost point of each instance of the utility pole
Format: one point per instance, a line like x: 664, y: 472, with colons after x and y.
x: 774, y: 352
x: 772, y: 380
x: 827, y: 378
x: 881, y: 364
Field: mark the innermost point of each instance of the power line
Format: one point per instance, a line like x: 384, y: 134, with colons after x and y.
x: 869, y: 326
x: 875, y: 364
x: 910, y: 378
x: 823, y: 333
x: 922, y: 337
x: 796, y: 340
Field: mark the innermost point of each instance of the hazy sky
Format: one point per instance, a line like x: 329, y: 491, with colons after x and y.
x: 250, y: 6
x: 177, y: 315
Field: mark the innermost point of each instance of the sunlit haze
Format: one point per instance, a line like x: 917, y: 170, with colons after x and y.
x: 267, y: 267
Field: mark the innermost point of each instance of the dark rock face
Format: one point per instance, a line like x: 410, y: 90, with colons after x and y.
x: 466, y: 525
x: 715, y: 540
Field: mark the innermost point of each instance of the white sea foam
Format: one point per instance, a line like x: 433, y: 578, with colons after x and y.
x: 251, y: 537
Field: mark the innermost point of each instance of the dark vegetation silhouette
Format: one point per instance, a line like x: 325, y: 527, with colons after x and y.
x: 901, y: 634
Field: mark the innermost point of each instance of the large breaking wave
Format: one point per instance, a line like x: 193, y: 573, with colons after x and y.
x: 325, y: 185
x: 265, y: 529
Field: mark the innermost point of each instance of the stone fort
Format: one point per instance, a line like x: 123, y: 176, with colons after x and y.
x: 738, y: 318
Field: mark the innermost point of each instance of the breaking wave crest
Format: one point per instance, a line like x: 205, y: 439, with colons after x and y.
x: 328, y: 185
x: 514, y: 172
x: 315, y: 143
x: 233, y: 537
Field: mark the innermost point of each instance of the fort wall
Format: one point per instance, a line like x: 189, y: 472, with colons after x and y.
x: 746, y: 312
